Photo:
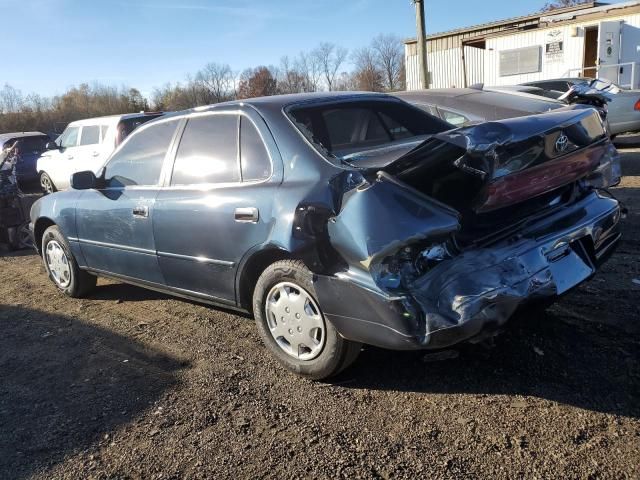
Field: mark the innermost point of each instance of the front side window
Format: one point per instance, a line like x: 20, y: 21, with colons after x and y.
x: 90, y: 135
x: 254, y: 157
x: 70, y: 137
x: 139, y: 161
x: 208, y: 151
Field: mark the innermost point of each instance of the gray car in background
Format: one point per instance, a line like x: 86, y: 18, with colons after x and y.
x: 464, y: 106
x: 623, y: 108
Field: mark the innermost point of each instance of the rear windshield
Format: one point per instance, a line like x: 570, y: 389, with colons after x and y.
x: 340, y: 129
x: 125, y: 127
x: 32, y: 145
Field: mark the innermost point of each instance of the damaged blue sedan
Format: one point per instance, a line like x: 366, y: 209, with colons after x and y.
x: 342, y: 219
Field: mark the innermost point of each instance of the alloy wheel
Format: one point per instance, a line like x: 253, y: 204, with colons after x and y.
x: 46, y: 183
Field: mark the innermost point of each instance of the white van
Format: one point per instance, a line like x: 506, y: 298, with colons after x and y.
x: 85, y: 145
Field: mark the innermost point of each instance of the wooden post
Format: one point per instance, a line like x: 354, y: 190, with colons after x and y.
x: 422, y: 44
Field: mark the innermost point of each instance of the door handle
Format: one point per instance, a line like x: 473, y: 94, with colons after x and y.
x: 141, y: 211
x: 95, y: 154
x: 70, y: 157
x: 247, y: 215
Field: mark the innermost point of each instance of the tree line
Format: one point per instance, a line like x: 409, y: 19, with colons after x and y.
x: 377, y: 67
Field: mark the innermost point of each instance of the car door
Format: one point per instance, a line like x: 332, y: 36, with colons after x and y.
x: 218, y: 202
x: 60, y: 163
x: 88, y: 152
x: 115, y: 223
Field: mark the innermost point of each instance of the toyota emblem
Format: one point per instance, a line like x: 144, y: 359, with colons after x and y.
x: 562, y: 143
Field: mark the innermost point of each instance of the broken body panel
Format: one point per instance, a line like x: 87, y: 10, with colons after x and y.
x: 420, y: 271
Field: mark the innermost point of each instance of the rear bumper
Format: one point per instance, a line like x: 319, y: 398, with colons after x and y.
x: 480, y: 289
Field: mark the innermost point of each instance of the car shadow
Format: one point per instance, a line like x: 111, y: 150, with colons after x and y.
x: 125, y: 292
x: 7, y: 253
x: 65, y: 384
x: 550, y: 356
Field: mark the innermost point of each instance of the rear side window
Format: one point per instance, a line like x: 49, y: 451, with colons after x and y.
x: 70, y: 137
x: 90, y: 135
x: 208, y: 151
x: 139, y: 161
x: 254, y: 157
x: 454, y: 118
x: 31, y: 145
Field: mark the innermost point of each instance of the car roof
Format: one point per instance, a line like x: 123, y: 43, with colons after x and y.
x: 9, y: 136
x: 278, y: 102
x: 112, y: 118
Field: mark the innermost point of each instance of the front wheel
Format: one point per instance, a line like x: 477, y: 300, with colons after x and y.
x: 62, y: 267
x: 293, y: 326
x: 46, y: 183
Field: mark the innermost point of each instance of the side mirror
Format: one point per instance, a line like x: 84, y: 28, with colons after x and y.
x: 84, y: 180
x: 52, y: 146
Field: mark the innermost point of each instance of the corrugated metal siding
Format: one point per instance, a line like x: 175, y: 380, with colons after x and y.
x: 445, y: 67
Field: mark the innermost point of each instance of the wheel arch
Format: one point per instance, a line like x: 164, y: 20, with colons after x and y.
x: 252, y: 267
x: 39, y: 228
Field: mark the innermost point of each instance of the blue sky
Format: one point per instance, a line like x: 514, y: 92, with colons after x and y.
x: 49, y: 45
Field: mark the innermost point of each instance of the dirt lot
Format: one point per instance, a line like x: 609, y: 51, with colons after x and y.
x: 133, y: 384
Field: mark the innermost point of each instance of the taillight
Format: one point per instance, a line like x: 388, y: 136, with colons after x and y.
x: 637, y: 105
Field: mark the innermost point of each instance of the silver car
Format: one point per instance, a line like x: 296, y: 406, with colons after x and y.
x: 623, y: 108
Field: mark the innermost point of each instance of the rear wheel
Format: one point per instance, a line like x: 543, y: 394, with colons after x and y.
x: 62, y: 267
x: 46, y: 183
x: 293, y: 326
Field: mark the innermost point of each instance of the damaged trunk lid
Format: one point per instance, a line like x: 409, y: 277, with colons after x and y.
x: 499, y: 164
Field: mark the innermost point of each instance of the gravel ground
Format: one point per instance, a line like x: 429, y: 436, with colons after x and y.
x: 133, y: 384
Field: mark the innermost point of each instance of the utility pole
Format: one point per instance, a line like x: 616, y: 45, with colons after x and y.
x: 422, y: 44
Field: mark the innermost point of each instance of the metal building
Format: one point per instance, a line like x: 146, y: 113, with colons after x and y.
x: 592, y: 39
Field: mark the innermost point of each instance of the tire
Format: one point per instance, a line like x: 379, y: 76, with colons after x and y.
x: 326, y: 357
x: 21, y: 238
x: 47, y: 184
x: 61, y: 265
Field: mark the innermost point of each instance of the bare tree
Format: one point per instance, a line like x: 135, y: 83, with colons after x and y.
x: 330, y: 58
x: 367, y: 75
x: 290, y: 79
x: 308, y: 66
x: 389, y: 57
x: 218, y: 80
x: 11, y: 99
x: 556, y: 4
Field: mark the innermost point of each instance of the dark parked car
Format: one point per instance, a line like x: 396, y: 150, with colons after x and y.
x: 342, y: 219
x: 465, y: 106
x: 27, y: 147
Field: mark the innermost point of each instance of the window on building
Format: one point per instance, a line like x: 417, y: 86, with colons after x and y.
x: 520, y: 60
